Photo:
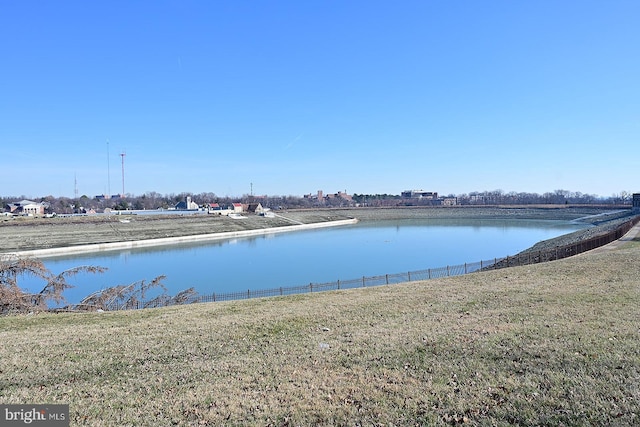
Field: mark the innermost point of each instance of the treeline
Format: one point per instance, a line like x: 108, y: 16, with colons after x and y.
x: 557, y: 197
x: 496, y: 197
x: 153, y: 200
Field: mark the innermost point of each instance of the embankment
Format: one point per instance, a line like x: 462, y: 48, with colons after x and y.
x: 101, y: 247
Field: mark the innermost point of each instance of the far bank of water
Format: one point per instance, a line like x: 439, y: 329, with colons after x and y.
x: 368, y: 248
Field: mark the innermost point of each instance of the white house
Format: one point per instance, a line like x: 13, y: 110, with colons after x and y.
x: 187, y: 204
x: 216, y: 209
x: 27, y: 207
x: 255, y: 208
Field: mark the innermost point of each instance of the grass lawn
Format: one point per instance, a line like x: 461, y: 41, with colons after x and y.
x: 549, y: 344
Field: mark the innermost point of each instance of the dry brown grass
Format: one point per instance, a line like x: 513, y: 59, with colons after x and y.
x: 22, y: 234
x: 550, y: 344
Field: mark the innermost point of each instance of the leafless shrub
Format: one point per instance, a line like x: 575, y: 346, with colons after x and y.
x: 124, y: 296
x: 56, y: 285
x: 14, y: 299
x: 184, y: 297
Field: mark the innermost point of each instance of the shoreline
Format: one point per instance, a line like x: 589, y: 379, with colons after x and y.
x: 168, y: 241
x: 75, y: 236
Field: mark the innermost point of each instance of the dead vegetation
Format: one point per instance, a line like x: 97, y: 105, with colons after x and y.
x: 59, y: 232
x: 16, y: 300
x: 545, y: 344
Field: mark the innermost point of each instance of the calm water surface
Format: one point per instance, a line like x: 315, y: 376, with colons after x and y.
x: 315, y: 256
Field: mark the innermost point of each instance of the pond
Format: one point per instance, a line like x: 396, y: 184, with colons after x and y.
x: 368, y: 248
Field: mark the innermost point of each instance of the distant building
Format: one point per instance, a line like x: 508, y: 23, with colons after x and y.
x: 26, y: 207
x: 216, y: 209
x: 255, y: 208
x: 339, y: 195
x: 318, y: 196
x: 419, y: 194
x: 636, y: 203
x: 187, y: 205
x: 108, y: 196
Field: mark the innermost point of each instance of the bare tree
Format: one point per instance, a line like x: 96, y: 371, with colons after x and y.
x: 14, y: 299
x: 124, y: 296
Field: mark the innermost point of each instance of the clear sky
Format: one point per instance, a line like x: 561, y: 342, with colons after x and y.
x: 299, y: 96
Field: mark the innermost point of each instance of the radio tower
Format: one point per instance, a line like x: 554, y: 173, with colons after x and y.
x: 122, y: 155
x: 108, y: 173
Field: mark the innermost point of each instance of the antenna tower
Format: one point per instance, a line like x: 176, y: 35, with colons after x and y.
x: 123, y: 154
x: 108, y: 173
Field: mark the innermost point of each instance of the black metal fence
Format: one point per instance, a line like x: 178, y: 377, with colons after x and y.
x: 387, y: 279
x: 431, y: 273
x: 560, y: 252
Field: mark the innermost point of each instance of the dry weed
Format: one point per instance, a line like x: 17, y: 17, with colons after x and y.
x: 548, y: 344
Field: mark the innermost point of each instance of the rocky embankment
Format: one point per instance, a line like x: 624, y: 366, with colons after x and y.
x: 601, y: 224
x: 601, y: 220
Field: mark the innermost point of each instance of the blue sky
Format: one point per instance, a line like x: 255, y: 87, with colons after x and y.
x: 297, y: 96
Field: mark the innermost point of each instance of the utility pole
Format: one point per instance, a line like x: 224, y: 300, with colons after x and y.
x: 108, y: 173
x: 122, y: 155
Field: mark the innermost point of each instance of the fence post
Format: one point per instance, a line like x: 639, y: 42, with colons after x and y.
x: 248, y: 293
x: 409, y: 274
x: 363, y: 285
x: 280, y: 290
x: 465, y: 268
x: 338, y: 283
x: 310, y: 287
x: 387, y: 278
x: 214, y: 297
x: 447, y: 271
x: 495, y: 263
x: 429, y: 273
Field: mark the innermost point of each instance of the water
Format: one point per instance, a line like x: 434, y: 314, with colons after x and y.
x: 315, y: 256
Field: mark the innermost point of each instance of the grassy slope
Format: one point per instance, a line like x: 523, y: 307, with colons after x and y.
x: 550, y: 344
